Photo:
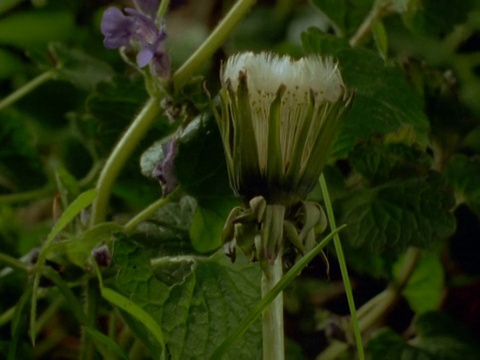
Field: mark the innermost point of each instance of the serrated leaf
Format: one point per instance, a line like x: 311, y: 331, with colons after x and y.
x: 398, y: 214
x: 197, y: 313
x: 380, y: 162
x: 424, y: 289
x: 464, y: 174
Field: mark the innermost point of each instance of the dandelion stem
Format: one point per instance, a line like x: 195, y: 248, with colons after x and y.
x: 272, y: 317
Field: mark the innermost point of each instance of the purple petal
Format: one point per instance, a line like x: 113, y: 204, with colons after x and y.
x: 144, y: 56
x: 147, y: 7
x: 117, y: 28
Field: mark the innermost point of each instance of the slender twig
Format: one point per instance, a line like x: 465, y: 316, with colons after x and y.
x: 27, y: 88
x: 13, y: 263
x: 148, y: 212
x: 213, y: 42
x: 365, y: 27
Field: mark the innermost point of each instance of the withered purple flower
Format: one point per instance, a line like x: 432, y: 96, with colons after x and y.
x: 139, y: 29
x: 164, y: 171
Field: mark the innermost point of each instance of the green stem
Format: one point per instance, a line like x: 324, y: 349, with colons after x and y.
x: 27, y: 88
x: 13, y: 263
x: 26, y: 196
x: 7, y: 316
x: 343, y: 269
x: 163, y: 8
x: 212, y: 43
x: 119, y: 156
x: 267, y: 299
x: 365, y: 27
x: 272, y: 317
x: 148, y: 212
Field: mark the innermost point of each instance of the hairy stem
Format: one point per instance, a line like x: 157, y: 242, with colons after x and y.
x: 343, y: 269
x: 27, y: 88
x: 272, y: 317
x: 212, y: 43
x: 119, y: 156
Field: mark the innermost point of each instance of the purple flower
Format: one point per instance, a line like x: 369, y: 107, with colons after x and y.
x: 138, y: 27
x: 164, y: 171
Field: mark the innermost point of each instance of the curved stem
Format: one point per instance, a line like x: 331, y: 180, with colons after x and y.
x: 148, y: 212
x: 13, y: 263
x: 27, y: 88
x: 343, y: 269
x: 119, y: 156
x: 272, y: 317
x: 212, y: 43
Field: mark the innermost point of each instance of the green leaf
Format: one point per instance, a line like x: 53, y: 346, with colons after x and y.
x: 207, y: 224
x: 200, y: 165
x: 439, y: 337
x: 445, y: 338
x: 398, y: 214
x: 436, y: 17
x: 197, y: 313
x: 335, y: 10
x: 464, y: 174
x: 167, y: 232
x: 380, y: 162
x: 316, y: 41
x: 346, y: 16
x: 67, y: 185
x: 387, y: 344
x: 424, y: 290
x: 82, y: 70
x: 81, y: 202
x: 79, y: 248
x: 36, y: 28
x: 134, y: 310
